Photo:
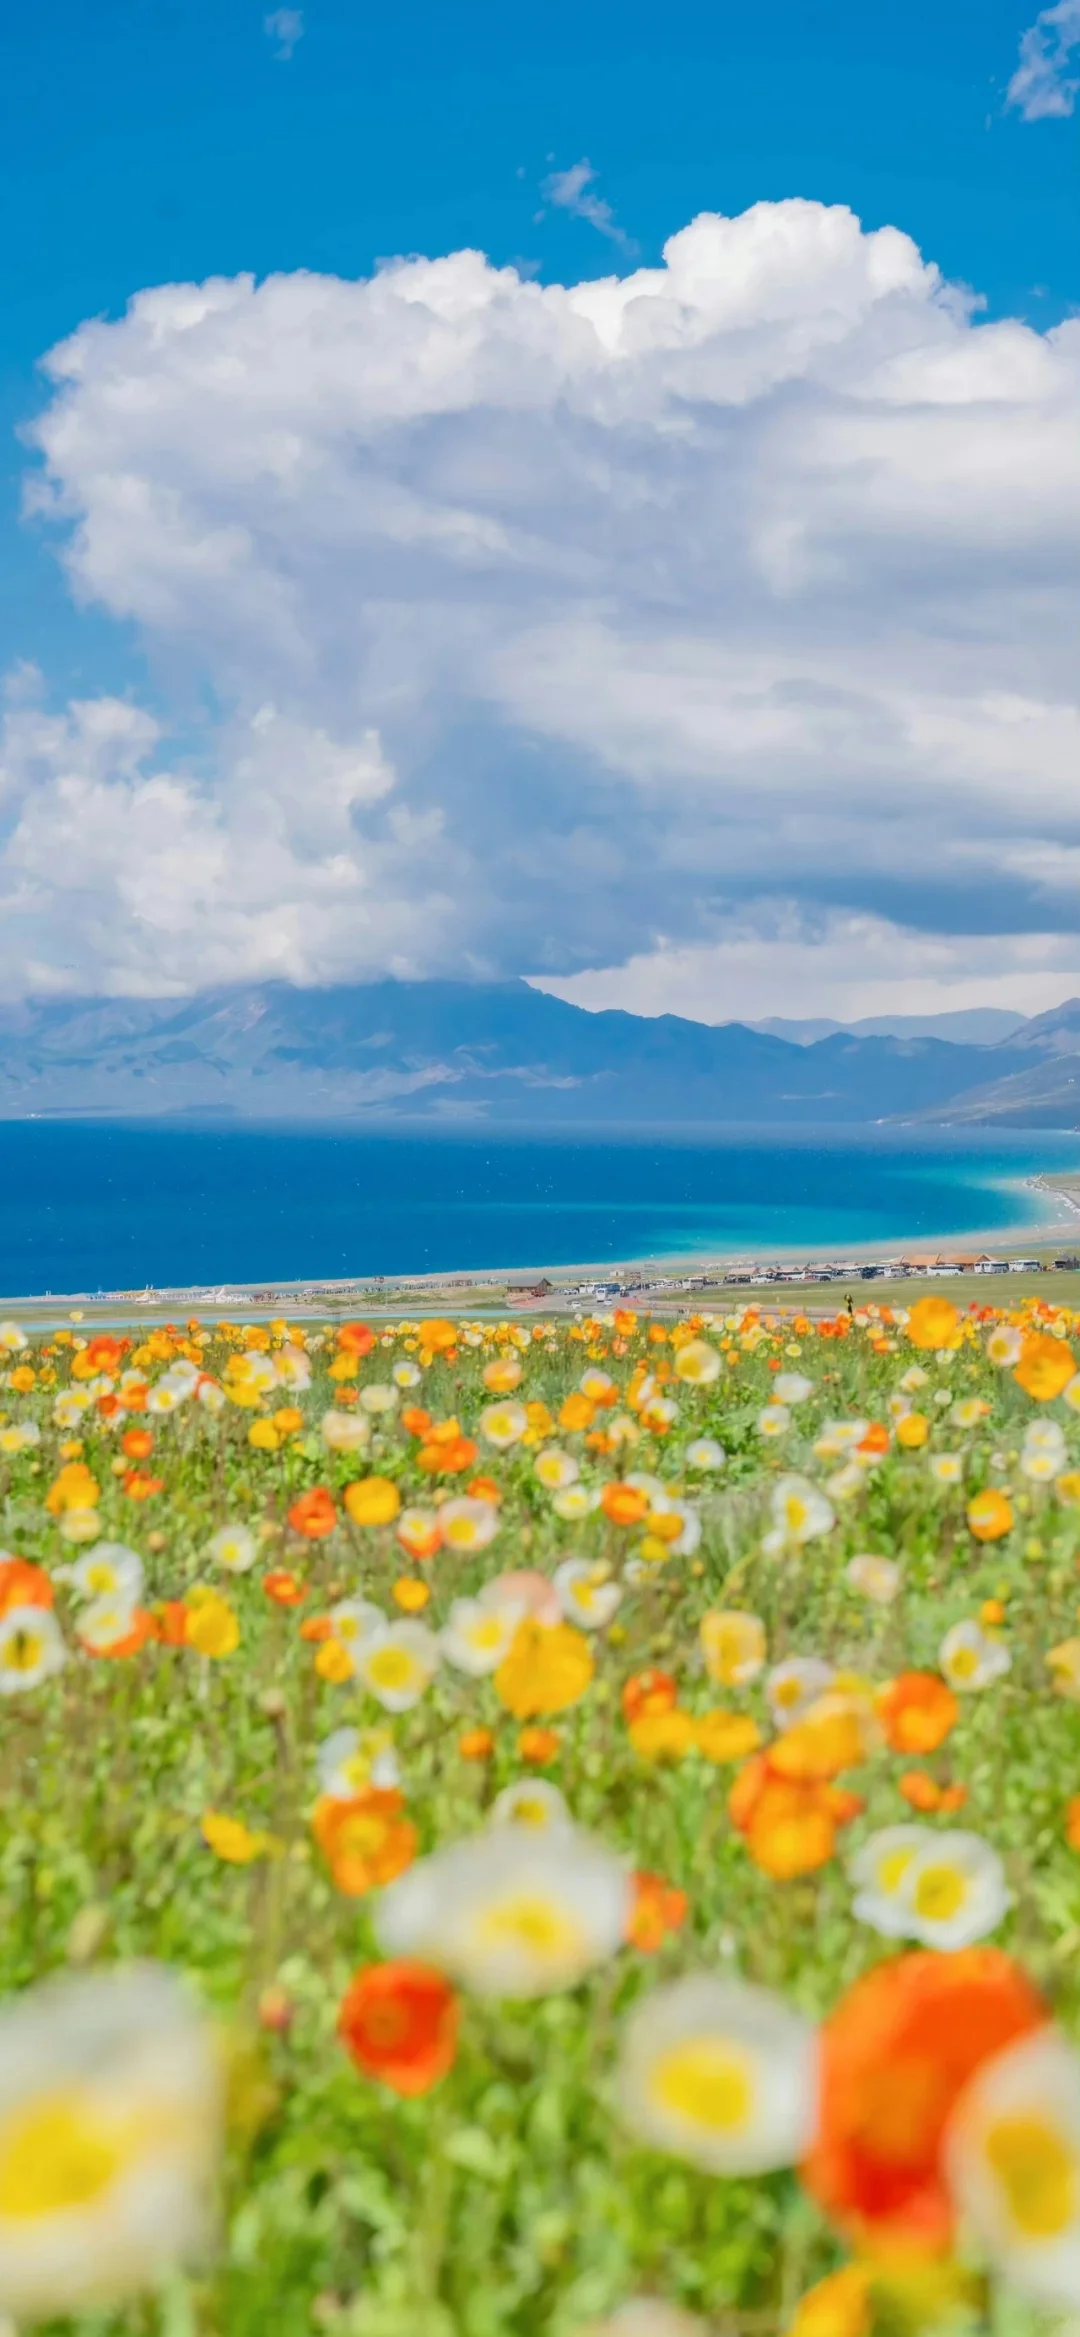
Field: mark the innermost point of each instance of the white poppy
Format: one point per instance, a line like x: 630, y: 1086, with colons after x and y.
x: 345, y: 1432
x: 774, y: 1420
x: 503, y: 1425
x: 409, y: 1375
x: 466, y: 1523
x: 970, y: 1658
x: 575, y: 1501
x: 397, y: 1664
x: 800, y: 1510
x: 1005, y: 1345
x: 233, y: 1547
x: 12, y: 1339
x: 587, y: 1594
x: 720, y: 2073
x: 31, y: 1648
x: 354, y: 1621
x: 109, y: 1570
x: 792, y: 1387
x: 105, y: 1622
x: 70, y: 1407
x: 794, y: 1685
x: 704, y: 1453
x: 947, y: 1468
x: 555, y: 1469
x: 877, y: 1579
x: 110, y: 2133
x: 477, y: 1635
x: 531, y: 1802
x: 292, y: 1369
x: 378, y: 1397
x: 1012, y: 2160
x: 945, y: 1890
x: 516, y: 1911
x: 352, y: 1759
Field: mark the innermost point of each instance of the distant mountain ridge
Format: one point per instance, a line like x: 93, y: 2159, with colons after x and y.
x: 975, y: 1026
x: 490, y: 1052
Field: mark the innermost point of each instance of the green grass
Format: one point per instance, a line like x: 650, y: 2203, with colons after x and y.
x: 512, y: 2198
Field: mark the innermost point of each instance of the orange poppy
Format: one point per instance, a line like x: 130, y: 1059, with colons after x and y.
x: 1046, y: 1366
x: 933, y: 1323
x: 104, y: 1353
x: 917, y: 1710
x: 448, y: 1459
x: 990, y: 1515
x: 538, y: 1745
x: 355, y: 1339
x: 657, y: 1909
x: 140, y: 1488
x: 895, y: 2055
x: 399, y: 2023
x: 23, y: 1585
x: 143, y: 1627
x: 137, y: 1443
x: 313, y: 1514
x: 415, y: 1420
x: 625, y: 1505
x: 365, y: 1841
x: 170, y: 1621
x: 922, y: 1792
x: 648, y: 1693
x: 283, y: 1587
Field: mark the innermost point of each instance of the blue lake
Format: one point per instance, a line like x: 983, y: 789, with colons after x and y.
x: 95, y: 1206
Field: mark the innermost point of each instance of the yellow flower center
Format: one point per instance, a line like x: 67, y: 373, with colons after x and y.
x: 1037, y: 2172
x: 892, y: 1869
x: 58, y: 2154
x: 529, y: 1810
x: 23, y: 1651
x: 706, y: 2082
x: 487, y: 1632
x: 392, y: 1667
x: 940, y: 1892
x: 541, y: 1926
x: 963, y: 1662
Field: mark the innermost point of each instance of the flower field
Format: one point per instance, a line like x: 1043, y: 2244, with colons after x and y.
x: 542, y: 1828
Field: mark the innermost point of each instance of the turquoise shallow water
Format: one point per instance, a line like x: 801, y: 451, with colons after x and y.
x: 88, y: 1207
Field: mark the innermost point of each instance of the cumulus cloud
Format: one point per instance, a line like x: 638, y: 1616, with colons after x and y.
x: 574, y: 190
x: 1042, y: 85
x: 654, y: 600
x: 286, y: 27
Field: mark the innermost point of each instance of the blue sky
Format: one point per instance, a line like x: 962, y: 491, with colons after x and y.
x: 154, y: 140
x: 149, y: 142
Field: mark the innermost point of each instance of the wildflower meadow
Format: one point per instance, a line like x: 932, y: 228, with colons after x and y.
x: 542, y: 1827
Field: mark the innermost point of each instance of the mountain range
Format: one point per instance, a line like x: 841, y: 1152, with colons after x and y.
x: 503, y: 1051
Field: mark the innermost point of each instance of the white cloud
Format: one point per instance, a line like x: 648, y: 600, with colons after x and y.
x: 574, y: 190
x: 286, y: 27
x: 841, y: 966
x: 1042, y: 84
x: 747, y: 578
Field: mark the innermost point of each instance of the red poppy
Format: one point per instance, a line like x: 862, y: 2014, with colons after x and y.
x: 399, y: 2023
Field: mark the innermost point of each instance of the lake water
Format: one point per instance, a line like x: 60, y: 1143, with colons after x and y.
x: 86, y: 1207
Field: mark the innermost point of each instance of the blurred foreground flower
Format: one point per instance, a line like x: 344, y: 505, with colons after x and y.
x: 720, y: 2073
x: 515, y: 1912
x: 110, y: 2121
